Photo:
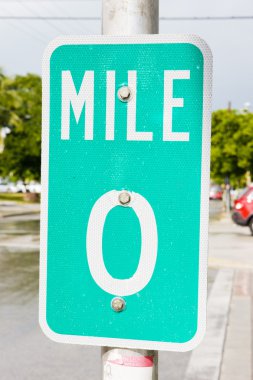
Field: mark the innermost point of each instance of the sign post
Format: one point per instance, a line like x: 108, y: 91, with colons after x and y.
x: 129, y: 18
x: 125, y: 191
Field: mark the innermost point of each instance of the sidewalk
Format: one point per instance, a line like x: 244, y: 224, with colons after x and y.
x: 226, y: 351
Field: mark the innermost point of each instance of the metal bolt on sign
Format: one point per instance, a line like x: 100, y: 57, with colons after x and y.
x: 118, y: 304
x: 124, y: 94
x: 124, y: 198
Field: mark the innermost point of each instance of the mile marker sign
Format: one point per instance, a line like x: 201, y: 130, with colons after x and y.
x: 125, y: 181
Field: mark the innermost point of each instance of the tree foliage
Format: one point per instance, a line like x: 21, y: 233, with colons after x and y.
x: 232, y: 146
x: 20, y: 115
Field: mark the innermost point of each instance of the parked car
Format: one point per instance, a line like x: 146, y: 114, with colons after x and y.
x: 12, y: 187
x: 18, y: 187
x: 33, y: 187
x: 215, y: 192
x: 4, y: 187
x: 243, y: 209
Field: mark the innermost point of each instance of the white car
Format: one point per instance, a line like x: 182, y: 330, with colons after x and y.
x: 17, y: 187
x: 34, y: 187
x: 4, y: 188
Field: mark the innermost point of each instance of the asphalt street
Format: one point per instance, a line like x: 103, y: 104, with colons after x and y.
x: 26, y: 354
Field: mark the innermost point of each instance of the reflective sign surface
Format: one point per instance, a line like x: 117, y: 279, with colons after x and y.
x: 126, y: 134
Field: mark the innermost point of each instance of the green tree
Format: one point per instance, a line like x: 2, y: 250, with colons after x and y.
x: 20, y: 112
x: 232, y: 146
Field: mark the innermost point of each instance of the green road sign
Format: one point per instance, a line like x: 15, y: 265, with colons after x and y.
x: 125, y: 182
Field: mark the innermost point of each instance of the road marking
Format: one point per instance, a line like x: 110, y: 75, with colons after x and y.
x: 216, y: 262
x: 20, y: 246
x: 205, y: 361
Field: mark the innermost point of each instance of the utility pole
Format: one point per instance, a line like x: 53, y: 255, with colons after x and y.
x: 228, y: 195
x: 130, y: 17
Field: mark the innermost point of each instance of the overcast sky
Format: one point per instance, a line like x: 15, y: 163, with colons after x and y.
x: 22, y: 41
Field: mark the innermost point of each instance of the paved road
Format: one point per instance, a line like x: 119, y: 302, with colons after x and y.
x: 26, y: 354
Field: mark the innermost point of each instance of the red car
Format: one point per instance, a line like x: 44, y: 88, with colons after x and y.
x: 215, y: 192
x: 243, y: 209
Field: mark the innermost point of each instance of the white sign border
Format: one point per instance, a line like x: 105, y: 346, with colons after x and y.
x: 204, y: 211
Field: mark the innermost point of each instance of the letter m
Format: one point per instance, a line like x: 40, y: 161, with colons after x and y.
x: 70, y: 97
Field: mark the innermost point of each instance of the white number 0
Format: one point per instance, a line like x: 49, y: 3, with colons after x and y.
x: 94, y: 241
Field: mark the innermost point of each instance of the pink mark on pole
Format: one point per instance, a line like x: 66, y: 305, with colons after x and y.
x: 134, y: 361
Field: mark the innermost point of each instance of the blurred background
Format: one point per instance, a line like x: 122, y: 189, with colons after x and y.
x: 26, y: 27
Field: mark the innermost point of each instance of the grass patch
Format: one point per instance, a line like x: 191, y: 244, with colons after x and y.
x: 17, y: 197
x: 20, y: 197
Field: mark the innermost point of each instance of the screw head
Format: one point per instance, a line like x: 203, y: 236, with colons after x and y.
x: 124, y: 198
x: 118, y: 304
x: 124, y: 94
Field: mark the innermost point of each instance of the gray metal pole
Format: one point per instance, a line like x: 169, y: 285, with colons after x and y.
x: 126, y: 17
x: 129, y: 17
x: 129, y: 364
